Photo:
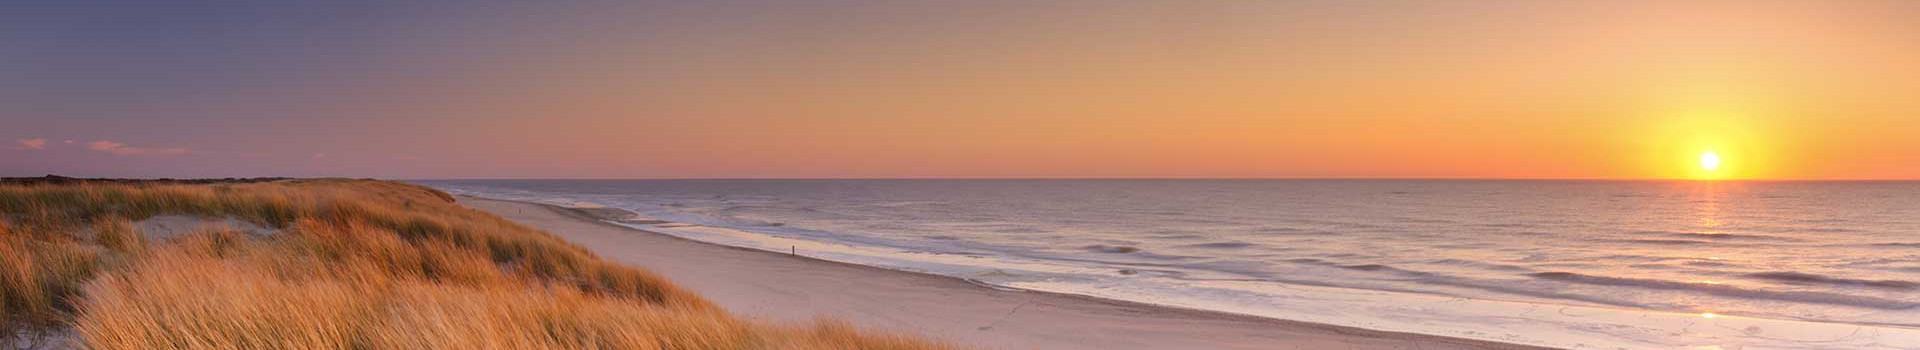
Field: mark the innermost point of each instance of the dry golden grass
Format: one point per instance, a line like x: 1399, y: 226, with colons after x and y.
x: 177, y: 299
x: 356, y: 264
x: 39, y: 279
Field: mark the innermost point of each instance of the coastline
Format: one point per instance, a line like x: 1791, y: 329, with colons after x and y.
x: 768, y: 286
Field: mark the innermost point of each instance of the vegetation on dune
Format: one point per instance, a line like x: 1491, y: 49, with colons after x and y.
x: 354, y: 264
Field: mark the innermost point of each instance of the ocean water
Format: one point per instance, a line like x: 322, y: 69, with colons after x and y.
x: 1577, y: 264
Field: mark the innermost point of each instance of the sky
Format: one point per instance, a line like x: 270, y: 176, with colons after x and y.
x: 883, y: 89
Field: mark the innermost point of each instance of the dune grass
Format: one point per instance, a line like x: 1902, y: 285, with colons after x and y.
x: 353, y: 264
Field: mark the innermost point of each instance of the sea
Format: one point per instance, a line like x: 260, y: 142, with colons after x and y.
x: 1571, y: 264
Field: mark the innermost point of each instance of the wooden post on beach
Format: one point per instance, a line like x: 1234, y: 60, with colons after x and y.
x: 794, y: 250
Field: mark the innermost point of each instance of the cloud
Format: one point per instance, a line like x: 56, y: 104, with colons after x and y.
x: 32, y: 143
x: 121, y: 149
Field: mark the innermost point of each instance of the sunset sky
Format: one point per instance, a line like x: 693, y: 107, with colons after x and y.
x: 1100, y: 88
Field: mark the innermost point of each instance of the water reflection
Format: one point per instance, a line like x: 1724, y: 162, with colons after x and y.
x: 1706, y: 198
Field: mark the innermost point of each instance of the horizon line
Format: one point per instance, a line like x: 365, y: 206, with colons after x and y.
x: 1304, y: 178
x: 1015, y: 178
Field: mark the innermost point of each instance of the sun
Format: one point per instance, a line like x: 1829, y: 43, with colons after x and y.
x: 1709, y: 161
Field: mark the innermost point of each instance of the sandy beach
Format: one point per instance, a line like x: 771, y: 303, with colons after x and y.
x: 780, y: 287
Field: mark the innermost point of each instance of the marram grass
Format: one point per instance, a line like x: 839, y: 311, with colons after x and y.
x: 355, y: 264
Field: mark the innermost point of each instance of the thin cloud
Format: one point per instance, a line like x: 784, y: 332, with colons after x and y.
x: 121, y: 149
x: 32, y: 143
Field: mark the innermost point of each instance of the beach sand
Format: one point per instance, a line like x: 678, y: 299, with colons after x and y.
x: 780, y: 287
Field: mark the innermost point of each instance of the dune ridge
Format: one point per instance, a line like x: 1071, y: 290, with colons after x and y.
x: 355, y: 264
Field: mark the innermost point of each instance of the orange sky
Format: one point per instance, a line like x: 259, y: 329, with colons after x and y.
x: 1499, y: 89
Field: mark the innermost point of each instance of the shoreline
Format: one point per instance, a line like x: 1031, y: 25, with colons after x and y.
x: 764, y: 285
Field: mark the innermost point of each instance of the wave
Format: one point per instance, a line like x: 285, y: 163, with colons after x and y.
x: 1833, y: 230
x: 1102, y: 248
x: 1415, y: 220
x: 1479, y: 264
x: 1439, y: 279
x: 1730, y: 291
x: 1292, y: 231
x: 1019, y: 230
x: 1695, y: 236
x: 1361, y: 267
x: 1807, y: 278
x: 1707, y: 263
x: 1371, y: 267
x: 1510, y: 287
x: 1664, y: 241
x: 1897, y: 245
x: 1219, y: 245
